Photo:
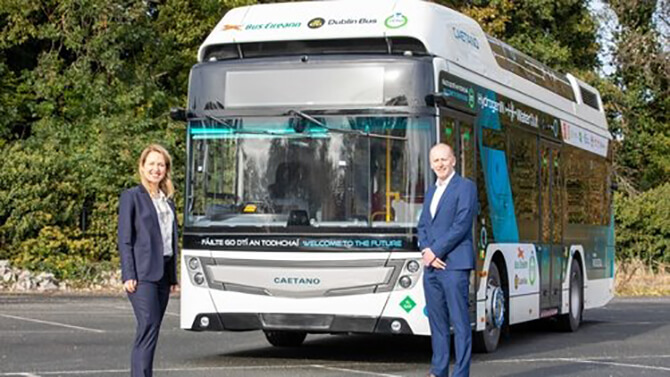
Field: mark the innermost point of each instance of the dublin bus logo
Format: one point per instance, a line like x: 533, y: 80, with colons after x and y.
x: 316, y: 23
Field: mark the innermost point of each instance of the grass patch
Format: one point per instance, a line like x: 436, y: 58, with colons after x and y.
x: 636, y: 278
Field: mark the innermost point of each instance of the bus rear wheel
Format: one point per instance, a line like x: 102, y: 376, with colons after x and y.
x: 570, y: 321
x: 487, y: 341
x: 285, y: 338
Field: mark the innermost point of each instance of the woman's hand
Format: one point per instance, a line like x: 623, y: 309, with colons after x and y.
x: 130, y: 285
x: 174, y: 288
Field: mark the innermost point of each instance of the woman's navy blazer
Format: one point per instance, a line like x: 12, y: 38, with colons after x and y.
x: 140, y: 240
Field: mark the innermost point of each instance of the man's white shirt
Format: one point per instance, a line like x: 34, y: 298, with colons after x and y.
x: 439, y: 191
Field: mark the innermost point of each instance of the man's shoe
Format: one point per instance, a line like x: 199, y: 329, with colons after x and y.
x: 430, y: 375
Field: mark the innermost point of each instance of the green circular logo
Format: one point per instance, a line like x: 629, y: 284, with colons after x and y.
x: 532, y: 268
x: 471, y: 98
x: 395, y: 21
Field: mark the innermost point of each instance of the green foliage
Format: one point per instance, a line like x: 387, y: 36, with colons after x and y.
x: 643, y: 104
x: 83, y: 88
x: 68, y: 256
x: 560, y: 33
x: 643, y: 226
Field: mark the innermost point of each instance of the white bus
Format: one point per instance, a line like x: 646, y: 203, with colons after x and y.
x: 309, y: 127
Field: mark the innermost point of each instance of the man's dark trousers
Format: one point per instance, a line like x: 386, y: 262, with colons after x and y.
x: 149, y: 303
x: 447, y: 302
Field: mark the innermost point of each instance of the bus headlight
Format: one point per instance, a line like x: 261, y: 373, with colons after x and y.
x: 405, y: 281
x: 198, y: 278
x: 193, y: 263
x: 413, y: 266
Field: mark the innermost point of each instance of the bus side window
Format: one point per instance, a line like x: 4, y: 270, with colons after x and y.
x: 387, y: 180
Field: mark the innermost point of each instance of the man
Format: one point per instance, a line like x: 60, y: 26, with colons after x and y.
x: 445, y: 239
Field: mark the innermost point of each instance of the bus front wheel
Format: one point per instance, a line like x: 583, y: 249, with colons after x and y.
x: 486, y: 341
x: 570, y: 321
x: 285, y: 338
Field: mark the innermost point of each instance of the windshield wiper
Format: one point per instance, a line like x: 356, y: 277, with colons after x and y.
x: 301, y: 128
x: 300, y: 114
x: 223, y: 122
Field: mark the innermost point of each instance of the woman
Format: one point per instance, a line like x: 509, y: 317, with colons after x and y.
x: 148, y: 247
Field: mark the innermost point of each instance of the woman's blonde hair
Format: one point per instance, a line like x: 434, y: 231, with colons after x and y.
x: 164, y: 185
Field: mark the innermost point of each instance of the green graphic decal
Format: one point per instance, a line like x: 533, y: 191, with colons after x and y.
x: 407, y: 304
x: 471, y: 98
x: 395, y: 21
x: 532, y: 270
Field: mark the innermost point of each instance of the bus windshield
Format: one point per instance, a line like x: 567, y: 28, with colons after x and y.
x: 317, y: 171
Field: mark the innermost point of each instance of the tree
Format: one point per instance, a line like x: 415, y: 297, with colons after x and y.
x: 84, y: 85
x: 642, y: 107
x: 559, y: 33
x: 639, y: 104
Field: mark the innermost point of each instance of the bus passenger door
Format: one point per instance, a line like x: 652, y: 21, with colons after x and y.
x: 551, y: 225
x: 458, y: 133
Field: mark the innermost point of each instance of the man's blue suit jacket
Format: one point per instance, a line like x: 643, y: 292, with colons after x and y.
x: 449, y: 233
x: 140, y: 240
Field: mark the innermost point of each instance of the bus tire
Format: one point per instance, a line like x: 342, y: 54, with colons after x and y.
x: 570, y: 321
x: 285, y: 338
x: 486, y: 341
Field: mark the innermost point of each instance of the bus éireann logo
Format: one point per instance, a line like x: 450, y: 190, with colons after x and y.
x: 227, y: 27
x: 316, y: 23
x: 395, y: 21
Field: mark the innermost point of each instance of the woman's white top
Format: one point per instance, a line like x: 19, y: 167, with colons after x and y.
x: 165, y: 220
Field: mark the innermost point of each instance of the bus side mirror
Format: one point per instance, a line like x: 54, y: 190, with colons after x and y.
x: 442, y: 100
x: 178, y: 114
x: 436, y: 100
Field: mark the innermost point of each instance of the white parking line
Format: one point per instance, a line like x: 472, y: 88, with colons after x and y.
x: 25, y: 332
x: 200, y: 369
x: 125, y: 371
x: 596, y: 357
x: 635, y: 357
x: 355, y: 371
x: 334, y: 367
x: 586, y: 361
x: 51, y: 323
x: 637, y: 366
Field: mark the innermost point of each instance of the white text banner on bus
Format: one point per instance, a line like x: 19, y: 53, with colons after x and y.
x: 584, y: 139
x: 305, y: 87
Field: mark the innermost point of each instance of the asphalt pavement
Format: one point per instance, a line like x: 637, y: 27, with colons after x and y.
x: 91, y: 336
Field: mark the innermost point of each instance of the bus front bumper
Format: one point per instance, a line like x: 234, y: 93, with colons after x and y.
x: 311, y: 323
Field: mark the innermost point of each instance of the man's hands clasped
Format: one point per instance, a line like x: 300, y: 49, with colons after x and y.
x: 430, y: 259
